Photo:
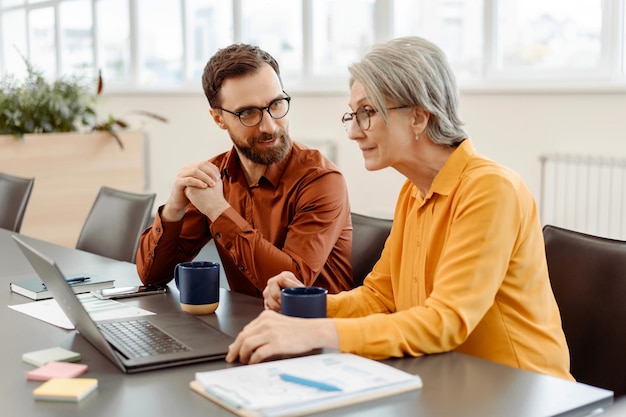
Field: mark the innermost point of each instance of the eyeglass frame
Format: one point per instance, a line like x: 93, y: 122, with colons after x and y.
x: 370, y: 112
x: 266, y: 108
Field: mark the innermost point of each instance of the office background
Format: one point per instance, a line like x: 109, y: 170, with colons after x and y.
x: 511, y: 121
x: 519, y: 101
x: 513, y: 128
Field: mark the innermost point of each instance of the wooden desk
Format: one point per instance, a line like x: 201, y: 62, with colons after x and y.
x: 454, y: 384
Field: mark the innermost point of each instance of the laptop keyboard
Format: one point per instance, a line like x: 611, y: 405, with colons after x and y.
x: 140, y: 338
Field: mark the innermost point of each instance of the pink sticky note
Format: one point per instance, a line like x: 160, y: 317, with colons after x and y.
x: 56, y: 370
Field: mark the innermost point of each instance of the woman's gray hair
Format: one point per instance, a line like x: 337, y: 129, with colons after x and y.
x: 412, y: 71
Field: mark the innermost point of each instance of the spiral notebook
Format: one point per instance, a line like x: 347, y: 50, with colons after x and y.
x: 303, y: 385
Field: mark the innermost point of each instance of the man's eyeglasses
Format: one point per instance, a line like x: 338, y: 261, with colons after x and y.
x: 252, y: 116
x: 362, y: 116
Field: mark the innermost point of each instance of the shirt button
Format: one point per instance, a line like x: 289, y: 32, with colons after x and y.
x: 218, y: 236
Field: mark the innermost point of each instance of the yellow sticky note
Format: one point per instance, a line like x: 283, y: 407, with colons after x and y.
x: 65, y: 389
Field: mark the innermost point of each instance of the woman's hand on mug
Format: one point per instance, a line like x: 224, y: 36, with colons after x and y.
x: 271, y: 293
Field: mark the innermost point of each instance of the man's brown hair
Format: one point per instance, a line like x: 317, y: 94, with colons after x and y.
x: 233, y: 61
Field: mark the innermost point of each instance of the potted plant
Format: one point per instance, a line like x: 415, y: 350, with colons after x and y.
x: 50, y: 131
x: 64, y: 105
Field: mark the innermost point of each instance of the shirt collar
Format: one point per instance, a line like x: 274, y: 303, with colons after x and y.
x: 447, y: 178
x: 233, y: 169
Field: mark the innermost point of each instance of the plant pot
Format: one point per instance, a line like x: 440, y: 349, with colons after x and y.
x: 69, y: 169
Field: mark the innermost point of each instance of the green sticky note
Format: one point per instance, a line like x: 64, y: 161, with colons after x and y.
x: 54, y: 354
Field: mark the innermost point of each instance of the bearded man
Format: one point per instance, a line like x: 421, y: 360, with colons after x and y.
x: 270, y: 204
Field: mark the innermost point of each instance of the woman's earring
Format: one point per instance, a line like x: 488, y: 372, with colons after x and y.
x: 417, y: 136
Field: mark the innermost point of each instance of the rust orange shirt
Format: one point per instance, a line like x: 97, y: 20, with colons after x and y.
x: 296, y: 218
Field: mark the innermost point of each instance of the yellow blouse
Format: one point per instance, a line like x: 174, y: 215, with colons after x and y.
x: 463, y: 269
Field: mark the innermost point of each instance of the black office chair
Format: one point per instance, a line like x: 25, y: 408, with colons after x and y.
x: 588, y: 276
x: 14, y: 196
x: 368, y: 239
x: 115, y: 223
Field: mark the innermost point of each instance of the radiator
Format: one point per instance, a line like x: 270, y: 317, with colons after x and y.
x: 584, y: 193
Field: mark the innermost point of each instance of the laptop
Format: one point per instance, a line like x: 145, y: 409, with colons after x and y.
x: 175, y: 338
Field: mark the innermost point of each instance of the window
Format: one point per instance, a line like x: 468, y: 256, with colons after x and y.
x: 42, y: 40
x: 208, y: 26
x: 160, y: 46
x: 13, y: 23
x: 456, y: 26
x: 563, y: 36
x: 113, y: 43
x: 156, y: 44
x: 334, y: 43
x: 276, y: 25
x: 623, y: 49
x: 76, y: 52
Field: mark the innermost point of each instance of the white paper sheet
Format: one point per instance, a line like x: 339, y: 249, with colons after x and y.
x: 50, y: 312
x: 260, y: 389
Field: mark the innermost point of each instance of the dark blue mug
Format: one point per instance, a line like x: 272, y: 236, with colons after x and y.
x: 199, y: 285
x: 307, y: 302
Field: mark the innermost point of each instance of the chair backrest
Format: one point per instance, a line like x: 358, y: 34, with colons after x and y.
x: 14, y: 195
x: 588, y: 277
x: 368, y: 239
x: 114, y: 224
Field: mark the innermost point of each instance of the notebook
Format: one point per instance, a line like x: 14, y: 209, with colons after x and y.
x: 34, y: 289
x: 302, y: 385
x: 192, y: 340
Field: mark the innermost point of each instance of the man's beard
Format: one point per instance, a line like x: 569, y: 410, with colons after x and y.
x: 265, y: 156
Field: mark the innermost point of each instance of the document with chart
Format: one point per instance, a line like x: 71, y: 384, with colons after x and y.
x: 303, y: 385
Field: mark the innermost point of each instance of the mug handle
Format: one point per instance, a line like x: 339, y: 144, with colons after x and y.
x: 176, y: 275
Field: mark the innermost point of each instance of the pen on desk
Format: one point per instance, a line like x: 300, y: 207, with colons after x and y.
x: 73, y: 280
x: 309, y: 383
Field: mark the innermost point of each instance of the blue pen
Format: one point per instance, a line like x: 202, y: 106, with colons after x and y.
x: 309, y: 383
x: 73, y: 280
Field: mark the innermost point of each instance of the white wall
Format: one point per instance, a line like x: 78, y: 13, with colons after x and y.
x: 513, y: 129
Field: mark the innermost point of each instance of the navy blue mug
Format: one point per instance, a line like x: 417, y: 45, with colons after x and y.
x: 307, y: 302
x: 199, y: 285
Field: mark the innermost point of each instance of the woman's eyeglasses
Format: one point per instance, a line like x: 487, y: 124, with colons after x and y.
x: 363, y: 117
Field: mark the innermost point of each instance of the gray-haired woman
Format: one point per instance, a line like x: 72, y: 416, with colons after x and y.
x: 464, y: 267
